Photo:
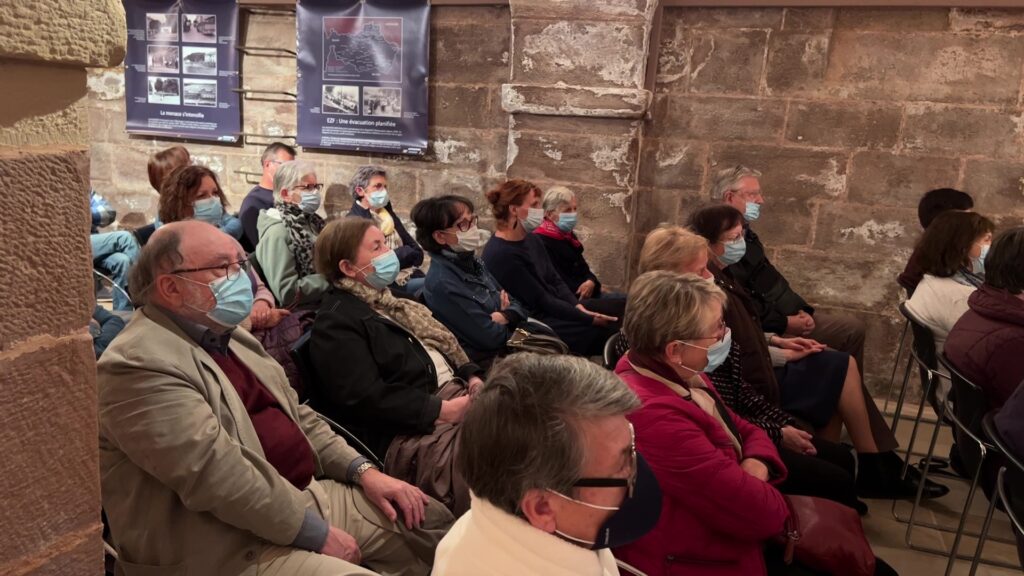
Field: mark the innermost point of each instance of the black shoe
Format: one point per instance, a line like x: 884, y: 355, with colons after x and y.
x: 860, y: 507
x: 878, y: 476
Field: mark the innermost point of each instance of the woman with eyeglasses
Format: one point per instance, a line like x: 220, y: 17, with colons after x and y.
x: 459, y: 290
x: 287, y: 234
x: 381, y: 361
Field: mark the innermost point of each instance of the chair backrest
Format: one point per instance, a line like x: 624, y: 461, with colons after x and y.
x: 969, y: 407
x: 255, y: 263
x: 923, y: 351
x: 1010, y: 482
x: 100, y: 279
x: 614, y: 349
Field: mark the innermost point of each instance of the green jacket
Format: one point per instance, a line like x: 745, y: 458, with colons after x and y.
x: 275, y: 257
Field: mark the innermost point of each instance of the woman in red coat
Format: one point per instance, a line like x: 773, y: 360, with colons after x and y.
x: 715, y: 469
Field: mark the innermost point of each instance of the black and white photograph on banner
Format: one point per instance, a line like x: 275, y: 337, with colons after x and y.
x: 164, y: 90
x: 382, y: 102
x: 162, y: 59
x: 162, y: 27
x: 200, y: 92
x: 199, y: 28
x: 199, y: 60
x: 340, y: 100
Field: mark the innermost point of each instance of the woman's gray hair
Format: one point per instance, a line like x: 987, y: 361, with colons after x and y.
x: 727, y: 179
x: 556, y: 197
x: 289, y: 174
x: 159, y: 256
x: 523, y: 430
x: 362, y: 177
x: 665, y: 306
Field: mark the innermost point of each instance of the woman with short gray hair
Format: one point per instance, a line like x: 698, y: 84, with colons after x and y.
x: 549, y: 456
x: 557, y: 232
x: 287, y: 234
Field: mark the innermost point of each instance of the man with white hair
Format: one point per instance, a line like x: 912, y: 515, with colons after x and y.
x: 208, y: 463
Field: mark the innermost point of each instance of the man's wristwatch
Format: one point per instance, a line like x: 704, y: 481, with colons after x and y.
x: 362, y: 470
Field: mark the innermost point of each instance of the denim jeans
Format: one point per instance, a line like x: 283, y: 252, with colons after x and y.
x: 115, y: 253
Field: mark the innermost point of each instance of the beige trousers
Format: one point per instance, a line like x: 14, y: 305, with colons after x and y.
x: 387, y: 548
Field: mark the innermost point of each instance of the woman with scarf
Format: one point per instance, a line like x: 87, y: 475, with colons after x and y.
x: 557, y: 231
x: 381, y: 361
x: 951, y: 254
x: 287, y: 234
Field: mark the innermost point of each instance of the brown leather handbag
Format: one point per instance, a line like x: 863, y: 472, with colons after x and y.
x: 826, y: 536
x: 428, y: 461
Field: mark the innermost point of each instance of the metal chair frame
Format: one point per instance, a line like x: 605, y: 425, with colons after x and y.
x: 989, y: 428
x: 892, y: 377
x: 114, y: 285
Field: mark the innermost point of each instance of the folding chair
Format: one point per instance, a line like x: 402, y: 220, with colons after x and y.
x: 614, y: 349
x: 892, y: 377
x: 102, y: 279
x: 1011, y: 473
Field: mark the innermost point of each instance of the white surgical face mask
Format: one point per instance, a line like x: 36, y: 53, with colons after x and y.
x: 469, y: 241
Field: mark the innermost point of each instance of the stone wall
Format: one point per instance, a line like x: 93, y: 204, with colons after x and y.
x: 852, y: 114
x: 50, y: 484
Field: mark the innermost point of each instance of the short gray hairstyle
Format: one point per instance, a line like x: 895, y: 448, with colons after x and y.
x: 556, y: 197
x: 270, y: 152
x: 291, y: 173
x: 363, y: 175
x: 727, y: 179
x: 522, y: 431
x: 159, y: 256
x: 664, y: 306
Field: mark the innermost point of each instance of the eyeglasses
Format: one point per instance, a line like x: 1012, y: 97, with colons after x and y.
x: 465, y: 226
x: 628, y: 483
x: 231, y: 270
x: 719, y: 329
x: 309, y: 187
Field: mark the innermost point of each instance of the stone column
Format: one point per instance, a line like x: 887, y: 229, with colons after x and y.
x: 50, y: 485
x: 576, y: 101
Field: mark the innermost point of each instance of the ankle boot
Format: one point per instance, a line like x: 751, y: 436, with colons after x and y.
x: 878, y: 476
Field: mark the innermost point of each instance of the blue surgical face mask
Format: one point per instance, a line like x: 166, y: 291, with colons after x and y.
x: 978, y: 264
x: 567, y: 221
x: 385, y: 270
x: 310, y: 202
x: 208, y: 210
x: 378, y: 199
x: 734, y: 251
x: 533, y: 219
x: 717, y: 352
x: 234, y: 299
x: 752, y: 211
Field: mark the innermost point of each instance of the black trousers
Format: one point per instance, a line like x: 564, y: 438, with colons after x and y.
x: 773, y: 558
x: 829, y: 474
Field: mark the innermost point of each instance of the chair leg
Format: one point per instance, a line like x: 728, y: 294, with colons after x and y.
x: 903, y: 393
x: 917, y: 423
x: 895, y: 368
x: 920, y: 486
x: 983, y: 536
x: 966, y: 512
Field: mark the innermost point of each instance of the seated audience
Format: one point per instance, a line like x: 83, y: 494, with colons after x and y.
x: 287, y: 233
x: 369, y: 188
x: 987, y: 344
x: 929, y: 208
x: 950, y: 255
x: 555, y: 476
x: 717, y: 472
x: 817, y: 467
x: 460, y: 292
x: 566, y: 250
x: 192, y: 192
x: 104, y: 326
x: 781, y: 309
x: 114, y: 253
x: 820, y: 386
x: 522, y: 266
x: 199, y: 431
x: 261, y: 197
x: 381, y: 361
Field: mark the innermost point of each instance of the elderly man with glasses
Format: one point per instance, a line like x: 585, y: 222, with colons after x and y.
x: 208, y: 463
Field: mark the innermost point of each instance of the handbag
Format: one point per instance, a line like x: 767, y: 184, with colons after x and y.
x: 523, y: 341
x: 826, y: 536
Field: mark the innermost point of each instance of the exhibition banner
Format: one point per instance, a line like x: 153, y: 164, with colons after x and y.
x: 181, y: 69
x: 362, y: 74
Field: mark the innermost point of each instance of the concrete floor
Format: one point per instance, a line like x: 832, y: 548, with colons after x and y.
x: 888, y: 536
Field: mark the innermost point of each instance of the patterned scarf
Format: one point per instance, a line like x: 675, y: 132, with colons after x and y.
x: 968, y: 278
x: 302, y: 231
x: 551, y: 230
x: 412, y: 316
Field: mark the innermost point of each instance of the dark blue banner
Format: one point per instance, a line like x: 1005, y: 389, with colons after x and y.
x: 363, y: 74
x: 181, y: 69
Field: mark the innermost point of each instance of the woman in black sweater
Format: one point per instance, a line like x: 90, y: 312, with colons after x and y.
x: 520, y: 263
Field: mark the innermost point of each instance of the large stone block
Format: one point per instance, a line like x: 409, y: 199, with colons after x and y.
x: 673, y: 164
x: 764, y: 18
x: 797, y: 62
x: 929, y: 67
x: 583, y: 101
x: 997, y: 188
x: 717, y: 119
x: 483, y: 152
x: 42, y: 105
x: 809, y: 19
x: 932, y: 129
x: 860, y: 229
x: 885, y: 179
x: 463, y: 106
x: 727, y: 61
x: 67, y: 33
x: 44, y: 230
x: 902, y: 20
x: 579, y: 53
x: 470, y: 52
x: 81, y: 551
x: 608, y: 258
x: 51, y: 461
x: 596, y: 160
x: 837, y: 124
x: 653, y: 207
x: 987, y: 20
x: 851, y: 281
x: 629, y: 10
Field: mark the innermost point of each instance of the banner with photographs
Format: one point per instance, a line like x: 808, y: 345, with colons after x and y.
x: 181, y: 69
x: 363, y: 74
